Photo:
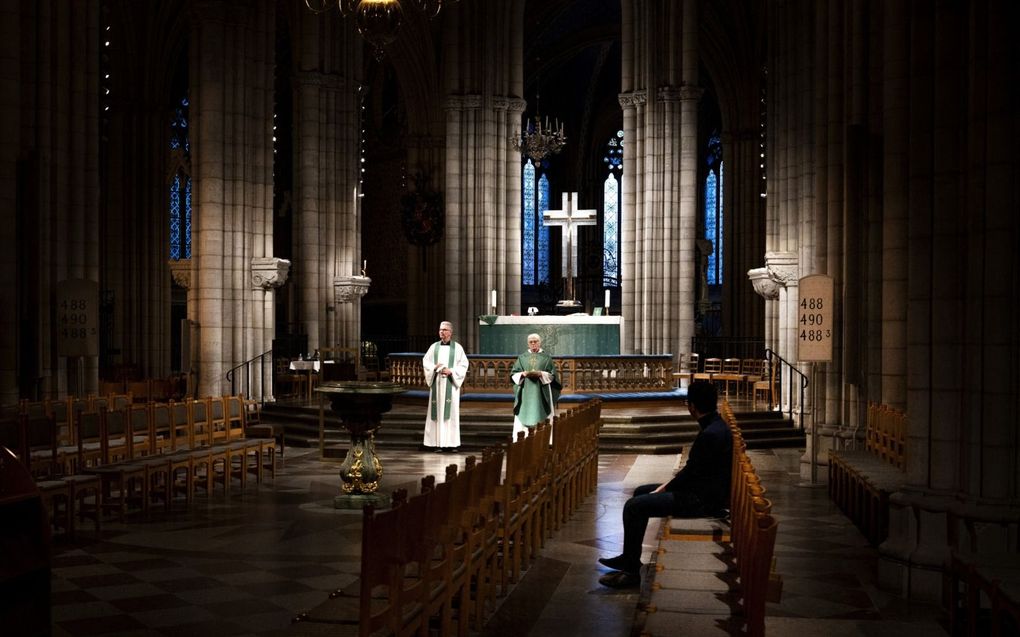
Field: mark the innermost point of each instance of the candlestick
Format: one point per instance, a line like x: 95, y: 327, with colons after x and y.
x: 364, y: 268
x: 607, y: 301
x: 493, y: 303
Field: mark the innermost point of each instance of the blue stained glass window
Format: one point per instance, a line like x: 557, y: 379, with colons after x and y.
x: 179, y: 196
x: 528, y: 227
x: 187, y: 219
x: 710, y: 224
x: 610, y: 227
x: 543, y: 231
x: 714, y: 209
x: 611, y: 203
x: 175, y: 218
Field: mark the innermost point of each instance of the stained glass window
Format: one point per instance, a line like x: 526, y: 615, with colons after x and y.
x: 528, y: 226
x: 534, y: 234
x: 714, y: 210
x: 543, y: 230
x: 179, y: 196
x: 611, y: 198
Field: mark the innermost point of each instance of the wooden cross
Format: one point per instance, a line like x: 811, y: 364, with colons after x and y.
x: 569, y: 219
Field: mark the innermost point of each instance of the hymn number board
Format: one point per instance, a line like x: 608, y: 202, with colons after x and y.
x: 77, y: 314
x: 814, y: 319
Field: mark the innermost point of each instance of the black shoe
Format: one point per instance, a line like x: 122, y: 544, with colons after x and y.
x: 620, y: 563
x: 437, y: 450
x: 620, y: 579
x: 453, y: 449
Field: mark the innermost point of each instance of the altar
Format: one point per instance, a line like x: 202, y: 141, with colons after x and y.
x: 574, y: 335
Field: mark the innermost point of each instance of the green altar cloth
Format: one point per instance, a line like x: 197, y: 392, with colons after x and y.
x: 561, y: 335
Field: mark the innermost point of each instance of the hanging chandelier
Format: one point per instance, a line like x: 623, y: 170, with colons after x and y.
x: 378, y: 21
x: 538, y: 141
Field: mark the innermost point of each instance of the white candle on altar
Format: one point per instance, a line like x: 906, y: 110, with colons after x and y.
x: 364, y: 267
x: 607, y: 300
x: 493, y: 303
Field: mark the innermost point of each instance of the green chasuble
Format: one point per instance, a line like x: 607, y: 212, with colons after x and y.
x: 533, y: 400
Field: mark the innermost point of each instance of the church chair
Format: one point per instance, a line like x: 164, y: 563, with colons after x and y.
x: 56, y: 498
x: 729, y: 373
x: 712, y: 366
x: 764, y: 387
x: 89, y: 436
x: 380, y: 602
x: 184, y: 459
x: 139, y: 419
x: 42, y: 455
x: 139, y: 390
x: 752, y: 370
x: 255, y: 428
x: 486, y: 517
x: 86, y: 501
x: 686, y: 368
x: 115, y: 439
x: 160, y: 428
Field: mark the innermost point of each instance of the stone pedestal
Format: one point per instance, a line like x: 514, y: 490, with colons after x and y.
x: 360, y: 406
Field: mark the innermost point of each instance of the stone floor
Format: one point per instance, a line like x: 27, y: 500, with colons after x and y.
x: 246, y: 563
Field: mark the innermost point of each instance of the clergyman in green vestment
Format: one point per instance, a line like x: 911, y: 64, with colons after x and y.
x: 536, y: 386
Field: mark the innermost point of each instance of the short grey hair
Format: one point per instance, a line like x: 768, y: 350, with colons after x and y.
x: 446, y: 323
x: 537, y: 336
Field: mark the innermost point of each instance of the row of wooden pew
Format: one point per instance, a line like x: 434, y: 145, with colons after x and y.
x: 709, y: 573
x: 437, y: 560
x: 107, y: 460
x: 861, y: 480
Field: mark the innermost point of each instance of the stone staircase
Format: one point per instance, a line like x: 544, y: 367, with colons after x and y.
x: 644, y: 430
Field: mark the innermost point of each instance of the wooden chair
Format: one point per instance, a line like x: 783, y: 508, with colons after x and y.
x: 752, y: 369
x: 712, y: 366
x: 730, y: 373
x: 765, y: 387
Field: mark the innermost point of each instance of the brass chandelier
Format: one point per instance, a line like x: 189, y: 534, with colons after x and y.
x: 538, y: 141
x: 378, y: 21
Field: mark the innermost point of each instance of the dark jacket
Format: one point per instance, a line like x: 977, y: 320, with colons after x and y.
x: 707, y: 473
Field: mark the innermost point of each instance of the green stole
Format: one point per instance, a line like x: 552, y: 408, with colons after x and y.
x: 449, y: 381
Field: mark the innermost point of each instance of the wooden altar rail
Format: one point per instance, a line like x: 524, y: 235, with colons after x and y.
x: 578, y: 374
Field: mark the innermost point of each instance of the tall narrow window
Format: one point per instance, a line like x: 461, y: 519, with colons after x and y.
x: 714, y: 209
x: 611, y: 199
x: 535, y: 235
x: 179, y: 195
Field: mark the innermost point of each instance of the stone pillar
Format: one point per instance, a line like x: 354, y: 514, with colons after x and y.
x: 660, y: 218
x: 52, y: 65
x: 327, y: 206
x: 267, y: 274
x: 231, y: 55
x: 483, y: 85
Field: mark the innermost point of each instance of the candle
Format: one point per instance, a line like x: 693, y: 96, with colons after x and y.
x: 607, y: 300
x: 493, y: 303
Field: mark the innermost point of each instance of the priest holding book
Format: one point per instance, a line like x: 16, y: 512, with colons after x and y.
x: 536, y: 386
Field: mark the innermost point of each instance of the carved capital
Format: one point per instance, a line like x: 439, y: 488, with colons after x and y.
x: 632, y: 99
x: 763, y: 284
x: 463, y: 102
x: 268, y: 272
x: 783, y: 268
x: 509, y: 104
x: 180, y: 271
x: 689, y: 92
x: 347, y: 289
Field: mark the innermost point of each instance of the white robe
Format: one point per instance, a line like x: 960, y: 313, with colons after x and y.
x: 445, y: 430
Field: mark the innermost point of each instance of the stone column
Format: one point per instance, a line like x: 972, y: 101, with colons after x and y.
x: 231, y: 99
x: 10, y: 124
x: 267, y: 275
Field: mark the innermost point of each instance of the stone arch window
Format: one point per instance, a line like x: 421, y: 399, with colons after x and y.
x: 534, y: 235
x: 714, y: 209
x: 612, y: 197
x: 179, y: 184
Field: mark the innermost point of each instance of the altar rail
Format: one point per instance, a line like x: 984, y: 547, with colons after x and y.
x: 578, y: 374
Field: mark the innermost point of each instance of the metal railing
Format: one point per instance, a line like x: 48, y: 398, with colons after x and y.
x: 254, y: 368
x: 787, y: 372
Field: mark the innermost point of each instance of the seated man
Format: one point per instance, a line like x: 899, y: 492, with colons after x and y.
x: 701, y: 488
